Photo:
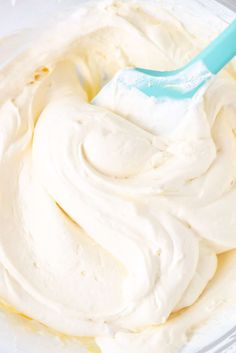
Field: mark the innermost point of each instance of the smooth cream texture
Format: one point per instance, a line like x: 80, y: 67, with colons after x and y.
x: 112, y: 215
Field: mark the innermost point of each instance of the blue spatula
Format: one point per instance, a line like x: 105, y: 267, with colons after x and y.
x: 184, y: 82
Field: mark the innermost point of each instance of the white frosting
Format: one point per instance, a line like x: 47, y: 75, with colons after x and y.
x: 112, y: 215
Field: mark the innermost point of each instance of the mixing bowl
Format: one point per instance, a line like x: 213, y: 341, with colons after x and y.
x: 22, y: 21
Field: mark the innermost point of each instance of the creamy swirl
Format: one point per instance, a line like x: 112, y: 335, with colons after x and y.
x: 112, y: 215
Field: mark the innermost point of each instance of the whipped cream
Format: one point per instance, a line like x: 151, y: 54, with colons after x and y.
x: 113, y: 215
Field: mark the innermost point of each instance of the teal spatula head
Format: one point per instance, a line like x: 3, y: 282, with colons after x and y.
x: 186, y: 81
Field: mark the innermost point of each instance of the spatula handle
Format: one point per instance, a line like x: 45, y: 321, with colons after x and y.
x: 220, y: 51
